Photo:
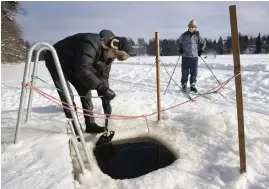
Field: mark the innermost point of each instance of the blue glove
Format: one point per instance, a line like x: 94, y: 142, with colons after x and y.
x: 107, y: 107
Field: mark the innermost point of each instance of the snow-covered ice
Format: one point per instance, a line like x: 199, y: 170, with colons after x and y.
x: 203, y: 134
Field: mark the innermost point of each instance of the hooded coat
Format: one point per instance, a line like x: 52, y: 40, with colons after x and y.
x: 81, y: 55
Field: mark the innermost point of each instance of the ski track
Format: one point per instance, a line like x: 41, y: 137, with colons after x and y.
x: 203, y: 134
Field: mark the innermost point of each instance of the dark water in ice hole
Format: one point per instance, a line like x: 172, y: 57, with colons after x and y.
x: 132, y: 158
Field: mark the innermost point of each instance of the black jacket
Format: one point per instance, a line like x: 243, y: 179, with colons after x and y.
x: 82, y: 55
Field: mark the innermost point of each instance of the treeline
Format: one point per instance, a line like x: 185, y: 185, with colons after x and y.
x: 248, y: 45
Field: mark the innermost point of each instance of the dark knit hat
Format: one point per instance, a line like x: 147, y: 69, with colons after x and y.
x: 106, y: 33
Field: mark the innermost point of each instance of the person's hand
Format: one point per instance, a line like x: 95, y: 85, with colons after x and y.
x: 200, y: 52
x: 107, y: 93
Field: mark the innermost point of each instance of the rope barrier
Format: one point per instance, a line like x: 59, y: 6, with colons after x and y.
x: 132, y: 85
x: 178, y: 84
x: 55, y: 99
x: 144, y: 75
x: 36, y: 77
x: 119, y: 117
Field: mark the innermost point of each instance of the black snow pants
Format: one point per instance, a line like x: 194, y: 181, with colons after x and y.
x: 189, y: 66
x: 82, y: 91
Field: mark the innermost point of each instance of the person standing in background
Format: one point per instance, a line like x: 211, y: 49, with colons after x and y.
x: 191, y: 45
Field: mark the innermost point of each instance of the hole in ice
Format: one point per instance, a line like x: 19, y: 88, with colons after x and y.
x: 132, y: 158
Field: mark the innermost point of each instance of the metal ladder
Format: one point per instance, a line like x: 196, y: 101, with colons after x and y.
x: 26, y: 77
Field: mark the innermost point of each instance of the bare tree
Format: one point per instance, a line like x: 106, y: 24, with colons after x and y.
x: 12, y: 44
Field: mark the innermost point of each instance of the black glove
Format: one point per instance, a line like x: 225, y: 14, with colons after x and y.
x: 107, y: 107
x: 107, y: 93
x: 180, y: 51
x: 200, y: 52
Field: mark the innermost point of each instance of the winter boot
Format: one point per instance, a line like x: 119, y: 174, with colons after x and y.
x: 193, y: 88
x: 94, y: 128
x: 184, y: 87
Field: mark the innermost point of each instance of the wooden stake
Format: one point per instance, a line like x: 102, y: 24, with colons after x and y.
x: 238, y: 85
x: 157, y: 39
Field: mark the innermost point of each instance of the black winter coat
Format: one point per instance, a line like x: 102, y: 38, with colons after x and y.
x: 82, y: 55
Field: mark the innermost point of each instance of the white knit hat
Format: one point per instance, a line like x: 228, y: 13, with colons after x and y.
x: 192, y: 23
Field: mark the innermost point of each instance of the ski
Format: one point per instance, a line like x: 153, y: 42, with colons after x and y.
x: 205, y: 94
x: 187, y: 94
x: 202, y: 95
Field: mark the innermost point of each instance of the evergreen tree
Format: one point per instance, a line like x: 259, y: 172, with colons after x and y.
x: 245, y: 39
x: 12, y: 44
x: 263, y: 38
x: 266, y: 48
x: 228, y: 45
x: 241, y: 43
x: 168, y: 47
x: 209, y: 46
x: 258, y: 44
x: 220, y: 46
x: 130, y: 40
x: 151, y: 48
x: 215, y: 46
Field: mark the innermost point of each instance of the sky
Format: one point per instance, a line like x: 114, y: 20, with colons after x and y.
x: 51, y: 21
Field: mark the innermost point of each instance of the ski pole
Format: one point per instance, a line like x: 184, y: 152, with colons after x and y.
x: 212, y: 72
x: 172, y: 75
x: 106, y: 124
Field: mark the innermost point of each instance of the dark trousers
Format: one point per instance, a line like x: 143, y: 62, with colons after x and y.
x: 82, y: 91
x: 189, y: 66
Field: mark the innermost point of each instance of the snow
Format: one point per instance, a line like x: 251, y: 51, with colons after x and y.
x: 203, y: 134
